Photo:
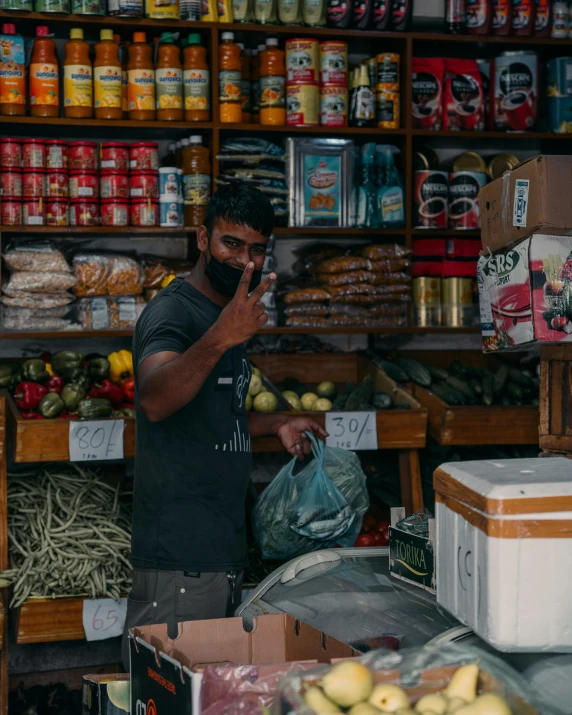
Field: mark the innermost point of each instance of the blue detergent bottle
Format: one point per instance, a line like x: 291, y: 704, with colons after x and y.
x: 367, y: 213
x: 390, y: 200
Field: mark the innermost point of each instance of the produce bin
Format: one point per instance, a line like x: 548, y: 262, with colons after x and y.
x: 43, y: 620
x: 556, y: 405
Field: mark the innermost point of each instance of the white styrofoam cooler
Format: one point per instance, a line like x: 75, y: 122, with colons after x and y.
x: 504, y: 550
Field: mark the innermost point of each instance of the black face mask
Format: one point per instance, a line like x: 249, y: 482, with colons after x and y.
x: 225, y: 279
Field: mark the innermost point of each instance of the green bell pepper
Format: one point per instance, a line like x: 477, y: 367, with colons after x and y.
x: 128, y: 412
x: 72, y: 394
x: 65, y: 360
x: 5, y: 375
x: 94, y: 408
x: 51, y: 405
x: 76, y: 375
x: 35, y: 371
x: 16, y: 378
x: 98, y: 368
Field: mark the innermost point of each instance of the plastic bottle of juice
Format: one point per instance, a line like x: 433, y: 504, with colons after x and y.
x: 245, y: 84
x: 196, y: 80
x: 229, y: 78
x: 255, y: 73
x: 266, y: 11
x: 225, y: 13
x: 169, y: 80
x: 196, y: 181
x: 44, y: 76
x: 141, y: 79
x: 124, y: 57
x: 12, y: 74
x: 78, y: 77
x: 209, y: 11
x: 243, y: 10
x: 107, y: 86
x: 272, y: 80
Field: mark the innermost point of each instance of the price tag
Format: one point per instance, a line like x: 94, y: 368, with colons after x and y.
x: 96, y: 440
x: 103, y: 618
x: 351, y: 430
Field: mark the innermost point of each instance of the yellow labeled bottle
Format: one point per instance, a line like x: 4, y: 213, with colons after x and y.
x: 225, y: 12
x: 78, y: 77
x: 209, y: 11
x: 229, y: 79
x: 141, y: 78
x: 107, y: 86
x: 169, y: 80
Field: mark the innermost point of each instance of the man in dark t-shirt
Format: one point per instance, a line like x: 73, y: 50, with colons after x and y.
x: 193, y: 443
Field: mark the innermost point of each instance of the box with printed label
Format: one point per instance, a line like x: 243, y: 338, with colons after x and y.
x: 531, y: 197
x: 525, y: 293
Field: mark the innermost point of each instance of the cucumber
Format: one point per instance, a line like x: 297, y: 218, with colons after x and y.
x: 500, y: 379
x: 393, y: 371
x: 487, y: 386
x: 519, y: 378
x: 381, y: 401
x: 514, y: 391
x: 417, y: 372
x: 461, y: 386
x: 339, y: 403
x: 295, y: 385
x: 476, y: 387
x: 448, y: 394
x: 437, y: 373
x: 456, y: 369
x: 505, y: 401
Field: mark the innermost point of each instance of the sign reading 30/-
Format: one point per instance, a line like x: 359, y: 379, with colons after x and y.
x: 351, y: 430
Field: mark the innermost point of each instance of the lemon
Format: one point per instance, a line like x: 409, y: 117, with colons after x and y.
x: 308, y: 400
x: 293, y: 399
x: 326, y: 389
x: 265, y: 402
x: 255, y: 385
x: 322, y: 405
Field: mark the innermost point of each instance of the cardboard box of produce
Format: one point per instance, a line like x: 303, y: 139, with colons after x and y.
x: 525, y: 293
x: 105, y: 694
x: 531, y: 197
x: 161, y: 668
x: 412, y: 556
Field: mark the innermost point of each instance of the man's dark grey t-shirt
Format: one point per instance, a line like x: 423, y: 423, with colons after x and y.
x: 191, y: 469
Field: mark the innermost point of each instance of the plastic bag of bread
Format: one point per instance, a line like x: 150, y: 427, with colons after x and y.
x: 37, y: 258
x: 382, y: 279
x: 341, y: 264
x: 36, y: 282
x: 307, y: 295
x: 309, y: 321
x: 391, y: 265
x: 106, y: 313
x: 376, y: 252
x: 306, y: 309
x: 310, y: 257
x: 37, y: 301
x: 338, y: 279
x: 99, y: 274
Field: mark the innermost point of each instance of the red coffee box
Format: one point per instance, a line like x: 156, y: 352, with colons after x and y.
x: 114, y: 212
x: 82, y: 156
x: 33, y: 184
x: 57, y: 184
x: 10, y: 153
x: 427, y: 92
x: 464, y: 107
x: 144, y: 156
x: 11, y: 212
x: 113, y: 185
x: 56, y: 154
x: 84, y: 212
x: 144, y: 185
x: 114, y: 156
x: 83, y: 185
x: 33, y: 154
x: 514, y: 101
x: 144, y: 212
x: 430, y: 198
x: 11, y: 183
x: 57, y: 212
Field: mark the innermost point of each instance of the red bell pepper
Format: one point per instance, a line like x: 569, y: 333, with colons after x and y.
x: 31, y: 415
x: 55, y: 384
x: 128, y: 386
x: 28, y: 395
x: 111, y: 392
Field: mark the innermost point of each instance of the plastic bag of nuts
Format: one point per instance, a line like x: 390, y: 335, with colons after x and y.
x: 99, y: 274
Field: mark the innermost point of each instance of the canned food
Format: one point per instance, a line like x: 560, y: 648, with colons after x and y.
x: 333, y: 106
x: 144, y: 212
x: 57, y: 212
x: 501, y: 163
x: 62, y: 6
x: 387, y: 109
x: 457, y: 302
x: 516, y: 91
x: 464, y: 187
x: 143, y: 156
x: 84, y: 212
x: 144, y: 185
x: 82, y: 156
x: 10, y: 153
x: 302, y: 101
x: 20, y: 5
x: 430, y: 195
x: 33, y: 212
x: 302, y: 61
x: 115, y: 156
x: 334, y: 64
x: 85, y: 7
x: 33, y: 154
x: 427, y: 301
x: 57, y: 184
x: 84, y: 184
x: 168, y: 182
x: 169, y: 213
x: 469, y: 161
x: 125, y: 8
x: 11, y: 212
x: 114, y: 185
x: 387, y: 75
x: 11, y: 183
x: 34, y: 184
x: 114, y: 212
x: 56, y: 154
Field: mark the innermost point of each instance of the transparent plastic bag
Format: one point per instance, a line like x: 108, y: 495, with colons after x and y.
x: 98, y: 274
x: 36, y: 282
x: 339, y: 279
x: 303, y: 512
x: 42, y: 258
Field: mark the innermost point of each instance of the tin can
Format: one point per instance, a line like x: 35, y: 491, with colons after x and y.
x: 430, y: 195
x: 115, y: 156
x: 125, y: 8
x: 57, y: 184
x: 168, y: 182
x: 10, y: 153
x: 302, y: 61
x: 143, y: 156
x: 457, y: 302
x: 387, y: 109
x: 20, y: 5
x: 469, y: 161
x: 62, y: 6
x: 427, y: 301
x: 57, y: 212
x: 84, y: 185
x: 85, y: 7
x: 387, y: 71
x: 82, y: 156
x: 33, y: 212
x: 302, y: 101
x: 33, y: 154
x: 144, y: 185
x: 11, y: 212
x: 56, y: 154
x: 11, y: 183
x: 84, y: 212
x: 501, y: 163
x: 114, y: 212
x: 34, y: 184
x: 464, y: 187
x: 145, y: 212
x: 114, y: 185
x: 515, y: 93
x: 333, y: 106
x: 334, y: 64
x: 169, y: 212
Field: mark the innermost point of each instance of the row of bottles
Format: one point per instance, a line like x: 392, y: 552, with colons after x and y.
x: 379, y: 201
x: 523, y: 18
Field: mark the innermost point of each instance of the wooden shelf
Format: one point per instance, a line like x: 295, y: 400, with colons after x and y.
x: 336, y: 231
x: 45, y: 620
x: 333, y: 131
x: 103, y: 123
x: 509, y: 136
x: 95, y: 230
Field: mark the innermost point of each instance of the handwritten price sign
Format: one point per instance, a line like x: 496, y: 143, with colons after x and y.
x: 351, y: 430
x: 103, y: 618
x: 96, y: 440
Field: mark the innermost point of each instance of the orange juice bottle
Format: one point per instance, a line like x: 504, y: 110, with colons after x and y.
x: 124, y: 57
x: 141, y: 79
x: 196, y: 80
x: 12, y: 73
x: 255, y: 103
x: 169, y: 80
x: 78, y: 77
x: 272, y: 80
x: 107, y: 78
x: 196, y: 181
x: 229, y: 78
x: 44, y: 76
x: 245, y: 85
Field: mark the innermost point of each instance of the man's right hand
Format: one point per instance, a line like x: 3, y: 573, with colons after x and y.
x: 244, y: 315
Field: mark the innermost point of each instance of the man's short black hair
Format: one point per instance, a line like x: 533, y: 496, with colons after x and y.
x: 243, y: 205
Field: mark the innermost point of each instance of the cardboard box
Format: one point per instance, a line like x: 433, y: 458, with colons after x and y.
x: 525, y: 293
x: 161, y: 668
x: 412, y: 557
x: 105, y: 694
x: 531, y: 197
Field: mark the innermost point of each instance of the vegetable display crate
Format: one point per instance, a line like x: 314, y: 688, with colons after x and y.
x: 48, y: 440
x: 43, y: 620
x: 556, y: 402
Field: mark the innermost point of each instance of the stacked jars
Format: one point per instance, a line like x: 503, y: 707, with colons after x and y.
x: 144, y: 184
x: 334, y: 106
x: 170, y: 196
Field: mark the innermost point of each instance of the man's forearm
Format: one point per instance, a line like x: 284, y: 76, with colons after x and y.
x: 261, y: 425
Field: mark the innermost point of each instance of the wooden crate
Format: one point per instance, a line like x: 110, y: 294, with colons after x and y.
x: 556, y: 398
x: 43, y: 620
x: 2, y: 617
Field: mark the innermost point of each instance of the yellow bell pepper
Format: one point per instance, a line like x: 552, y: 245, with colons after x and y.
x: 121, y: 365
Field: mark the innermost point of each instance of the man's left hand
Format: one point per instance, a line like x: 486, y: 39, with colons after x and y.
x: 291, y: 434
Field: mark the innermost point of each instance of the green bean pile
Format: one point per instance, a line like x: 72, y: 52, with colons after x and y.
x: 69, y: 534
